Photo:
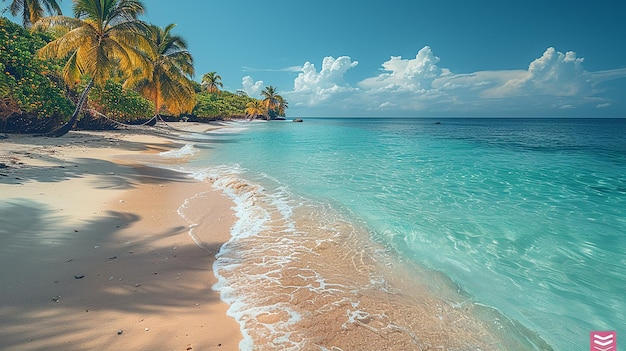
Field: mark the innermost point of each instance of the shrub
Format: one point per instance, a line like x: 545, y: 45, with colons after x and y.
x: 29, y: 86
x: 121, y: 104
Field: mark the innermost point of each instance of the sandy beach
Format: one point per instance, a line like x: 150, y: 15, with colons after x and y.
x: 94, y: 254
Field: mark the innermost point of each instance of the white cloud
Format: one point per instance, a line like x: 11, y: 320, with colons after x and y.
x: 553, y: 82
x: 251, y: 87
x: 554, y: 73
x: 403, y: 74
x: 604, y: 76
x: 312, y: 87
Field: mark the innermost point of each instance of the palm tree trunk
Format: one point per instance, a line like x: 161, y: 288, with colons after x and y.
x: 152, y: 121
x: 64, y: 129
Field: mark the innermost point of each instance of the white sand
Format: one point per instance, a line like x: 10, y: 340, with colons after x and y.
x: 78, y: 207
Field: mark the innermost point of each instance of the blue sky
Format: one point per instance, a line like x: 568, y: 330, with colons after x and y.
x: 412, y: 58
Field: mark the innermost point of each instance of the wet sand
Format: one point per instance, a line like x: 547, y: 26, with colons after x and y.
x: 300, y: 275
x: 94, y: 254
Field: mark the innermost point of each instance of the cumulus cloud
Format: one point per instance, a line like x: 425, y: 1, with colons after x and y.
x: 554, y: 73
x: 251, y: 87
x: 312, y: 87
x: 407, y: 74
x: 555, y: 81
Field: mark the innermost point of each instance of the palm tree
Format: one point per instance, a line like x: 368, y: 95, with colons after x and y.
x: 255, y: 108
x: 211, y: 82
x: 274, y: 104
x: 168, y: 83
x: 282, y: 105
x: 105, y: 36
x: 32, y: 11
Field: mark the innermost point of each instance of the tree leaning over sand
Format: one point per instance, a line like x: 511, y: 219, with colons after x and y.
x: 105, y: 36
x: 211, y: 82
x: 168, y: 83
x: 32, y: 11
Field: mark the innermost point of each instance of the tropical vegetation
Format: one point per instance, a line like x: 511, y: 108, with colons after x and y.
x: 106, y: 37
x: 274, y: 104
x: 119, y: 104
x: 212, y: 82
x: 32, y: 11
x: 167, y: 83
x: 223, y: 105
x: 32, y: 94
x: 254, y: 109
x: 106, y: 62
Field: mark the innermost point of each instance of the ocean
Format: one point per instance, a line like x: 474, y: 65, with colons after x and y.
x: 421, y: 234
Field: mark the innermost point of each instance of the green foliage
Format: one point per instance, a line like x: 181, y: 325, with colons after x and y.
x: 27, y: 81
x: 118, y: 103
x: 33, y: 95
x: 224, y: 105
x: 197, y: 87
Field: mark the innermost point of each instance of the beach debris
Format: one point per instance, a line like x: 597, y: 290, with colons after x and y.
x: 147, y: 329
x: 79, y: 276
x: 119, y: 332
x: 70, y: 260
x: 56, y: 298
x: 112, y: 257
x: 189, y: 347
x: 75, y: 230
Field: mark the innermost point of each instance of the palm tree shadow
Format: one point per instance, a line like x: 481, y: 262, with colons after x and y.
x: 108, y: 174
x: 41, y: 257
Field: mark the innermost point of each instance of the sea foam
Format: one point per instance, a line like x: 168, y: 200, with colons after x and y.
x: 299, y: 276
x: 185, y: 151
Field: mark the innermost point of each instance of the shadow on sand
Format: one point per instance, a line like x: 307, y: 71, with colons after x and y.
x: 40, y: 258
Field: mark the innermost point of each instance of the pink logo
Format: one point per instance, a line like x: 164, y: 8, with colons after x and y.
x: 603, y: 341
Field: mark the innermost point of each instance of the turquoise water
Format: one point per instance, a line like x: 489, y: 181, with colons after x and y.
x: 527, y: 216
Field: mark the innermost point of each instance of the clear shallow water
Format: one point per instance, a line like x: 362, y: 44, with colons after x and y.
x: 525, y: 216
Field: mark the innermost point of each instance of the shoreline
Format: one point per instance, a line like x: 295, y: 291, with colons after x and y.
x: 152, y: 262
x: 95, y: 253
x: 322, y: 277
